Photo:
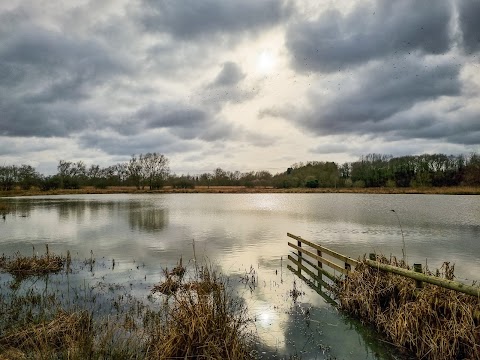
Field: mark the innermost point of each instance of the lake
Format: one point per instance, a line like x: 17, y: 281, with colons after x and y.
x: 245, y: 234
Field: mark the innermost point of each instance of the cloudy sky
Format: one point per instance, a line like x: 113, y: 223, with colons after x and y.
x: 242, y: 85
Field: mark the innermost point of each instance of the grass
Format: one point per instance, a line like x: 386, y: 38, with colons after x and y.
x: 454, y: 190
x: 431, y: 322
x: 203, y: 322
x: 197, y: 318
x: 22, y: 266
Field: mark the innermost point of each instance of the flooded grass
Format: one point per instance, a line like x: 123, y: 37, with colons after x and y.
x: 204, y: 321
x: 198, y: 317
x: 23, y: 266
x: 431, y: 322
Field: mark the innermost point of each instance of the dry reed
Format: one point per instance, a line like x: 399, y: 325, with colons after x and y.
x: 199, y: 319
x: 66, y: 333
x: 203, y: 322
x: 21, y: 266
x: 431, y: 322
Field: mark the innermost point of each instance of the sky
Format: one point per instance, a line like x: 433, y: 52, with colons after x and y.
x: 243, y: 85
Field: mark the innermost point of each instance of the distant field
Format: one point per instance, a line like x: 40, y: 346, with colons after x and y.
x: 455, y: 190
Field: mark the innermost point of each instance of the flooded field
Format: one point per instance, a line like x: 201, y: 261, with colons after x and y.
x: 133, y: 237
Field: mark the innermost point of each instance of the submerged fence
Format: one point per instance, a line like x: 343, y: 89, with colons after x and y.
x: 325, y: 268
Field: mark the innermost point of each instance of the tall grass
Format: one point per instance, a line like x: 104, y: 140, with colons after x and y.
x: 199, y: 318
x: 204, y: 322
x: 432, y: 322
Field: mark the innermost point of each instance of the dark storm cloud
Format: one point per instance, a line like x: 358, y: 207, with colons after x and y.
x: 334, y: 41
x: 375, y: 99
x: 114, y: 144
x: 45, y: 76
x: 192, y: 19
x: 230, y: 75
x: 178, y: 120
x: 159, y: 117
x: 381, y: 91
x: 469, y: 21
x: 460, y: 127
x: 226, y: 87
x: 42, y: 120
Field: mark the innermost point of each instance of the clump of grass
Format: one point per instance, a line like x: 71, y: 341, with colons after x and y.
x: 23, y: 266
x: 67, y: 333
x: 431, y: 322
x: 203, y: 321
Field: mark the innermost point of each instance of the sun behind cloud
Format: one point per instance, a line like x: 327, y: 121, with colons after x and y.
x: 266, y: 62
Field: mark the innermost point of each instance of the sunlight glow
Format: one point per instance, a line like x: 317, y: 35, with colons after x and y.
x: 265, y: 62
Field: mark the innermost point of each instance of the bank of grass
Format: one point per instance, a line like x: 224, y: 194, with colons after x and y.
x: 198, y: 319
x: 454, y: 190
x: 432, y: 322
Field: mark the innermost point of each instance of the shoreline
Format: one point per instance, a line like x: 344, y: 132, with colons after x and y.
x: 457, y: 190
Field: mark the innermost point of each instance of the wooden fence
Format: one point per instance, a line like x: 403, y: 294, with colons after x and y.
x: 325, y: 267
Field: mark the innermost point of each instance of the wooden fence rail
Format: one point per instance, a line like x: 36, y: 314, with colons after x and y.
x: 315, y: 274
x: 317, y: 271
x: 420, y: 277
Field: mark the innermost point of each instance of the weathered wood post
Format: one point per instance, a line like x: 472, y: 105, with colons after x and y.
x: 319, y: 272
x: 418, y: 269
x: 299, y: 252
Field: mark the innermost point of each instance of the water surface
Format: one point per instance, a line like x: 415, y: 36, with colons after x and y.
x: 246, y: 234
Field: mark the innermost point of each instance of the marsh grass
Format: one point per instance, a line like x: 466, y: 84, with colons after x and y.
x: 65, y: 333
x: 198, y: 318
x: 431, y: 322
x: 22, y: 266
x: 204, y: 321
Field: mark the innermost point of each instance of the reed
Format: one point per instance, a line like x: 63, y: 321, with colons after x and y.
x: 66, y: 333
x: 22, y: 266
x: 198, y: 317
x: 431, y: 322
x: 204, y: 322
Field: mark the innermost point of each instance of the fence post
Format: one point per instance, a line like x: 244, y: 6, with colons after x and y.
x: 299, y: 243
x: 418, y: 268
x: 348, y: 267
x: 319, y: 273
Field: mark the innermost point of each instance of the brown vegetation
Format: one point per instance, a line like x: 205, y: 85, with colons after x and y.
x: 199, y: 319
x: 432, y: 322
x: 66, y: 333
x: 204, y: 322
x: 453, y: 190
x: 21, y: 266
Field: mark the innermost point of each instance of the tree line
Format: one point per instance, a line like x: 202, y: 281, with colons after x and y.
x: 151, y: 171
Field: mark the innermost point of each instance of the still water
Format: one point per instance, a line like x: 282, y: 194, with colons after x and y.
x: 246, y: 234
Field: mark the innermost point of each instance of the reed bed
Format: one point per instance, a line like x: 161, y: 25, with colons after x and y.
x: 22, y: 266
x: 203, y: 322
x: 66, y: 333
x: 431, y: 322
x: 198, y: 317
